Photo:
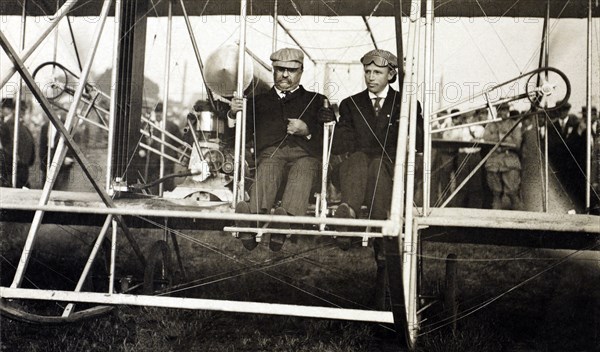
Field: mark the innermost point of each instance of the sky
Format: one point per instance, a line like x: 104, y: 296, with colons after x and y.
x: 470, y: 54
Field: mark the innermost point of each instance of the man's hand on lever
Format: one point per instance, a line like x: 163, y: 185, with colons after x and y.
x: 326, y: 114
x: 237, y: 104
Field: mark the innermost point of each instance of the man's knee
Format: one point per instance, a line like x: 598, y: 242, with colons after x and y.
x: 355, y: 164
x: 308, y: 162
x: 512, y: 181
x: 357, y: 157
x: 379, y: 167
x: 494, y: 181
x: 308, y: 166
x: 354, y: 167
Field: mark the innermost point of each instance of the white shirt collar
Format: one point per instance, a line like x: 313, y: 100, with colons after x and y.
x: 280, y: 92
x: 381, y: 94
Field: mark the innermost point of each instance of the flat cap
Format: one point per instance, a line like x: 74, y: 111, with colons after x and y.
x: 380, y: 58
x: 288, y: 58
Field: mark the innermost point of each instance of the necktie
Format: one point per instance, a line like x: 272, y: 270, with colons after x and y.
x: 377, y: 105
x: 285, y: 95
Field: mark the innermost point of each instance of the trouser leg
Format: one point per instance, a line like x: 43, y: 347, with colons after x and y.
x: 269, y: 175
x: 300, y: 182
x: 353, y: 180
x: 379, y: 187
x: 494, y: 181
x: 511, y: 181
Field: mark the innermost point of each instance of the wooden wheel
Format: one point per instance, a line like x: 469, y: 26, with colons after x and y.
x: 16, y: 312
x: 44, y: 312
x: 402, y: 287
x: 158, y: 274
x: 410, y: 278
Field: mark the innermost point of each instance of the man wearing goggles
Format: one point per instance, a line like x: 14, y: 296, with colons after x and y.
x: 380, y: 58
x: 366, y: 136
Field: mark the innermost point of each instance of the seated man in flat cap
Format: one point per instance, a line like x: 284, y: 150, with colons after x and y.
x: 367, y: 134
x: 284, y: 126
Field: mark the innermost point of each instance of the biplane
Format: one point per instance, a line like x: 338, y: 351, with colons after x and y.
x: 217, y: 173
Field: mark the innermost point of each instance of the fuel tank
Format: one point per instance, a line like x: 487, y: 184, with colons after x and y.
x: 221, y: 69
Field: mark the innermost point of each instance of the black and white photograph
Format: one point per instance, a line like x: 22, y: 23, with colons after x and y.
x: 300, y: 175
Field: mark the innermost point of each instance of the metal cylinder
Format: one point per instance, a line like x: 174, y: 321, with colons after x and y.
x: 208, y: 122
x: 221, y: 73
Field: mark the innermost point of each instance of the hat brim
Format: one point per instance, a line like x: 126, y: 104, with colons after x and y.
x: 287, y: 64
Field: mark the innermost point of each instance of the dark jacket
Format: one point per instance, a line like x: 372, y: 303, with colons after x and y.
x: 26, y: 153
x: 268, y: 114
x: 360, y: 130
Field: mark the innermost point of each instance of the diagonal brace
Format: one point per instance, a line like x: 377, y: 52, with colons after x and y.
x: 78, y: 154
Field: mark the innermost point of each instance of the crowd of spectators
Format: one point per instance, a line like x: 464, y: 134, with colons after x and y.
x: 498, y: 184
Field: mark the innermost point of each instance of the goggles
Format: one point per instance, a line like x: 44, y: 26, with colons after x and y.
x: 377, y: 60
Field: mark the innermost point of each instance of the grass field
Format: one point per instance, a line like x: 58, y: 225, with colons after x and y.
x: 556, y: 311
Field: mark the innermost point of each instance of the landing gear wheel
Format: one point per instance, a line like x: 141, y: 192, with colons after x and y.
x: 158, y: 274
x: 14, y: 311
x: 402, y: 271
x: 45, y: 312
x: 411, y: 279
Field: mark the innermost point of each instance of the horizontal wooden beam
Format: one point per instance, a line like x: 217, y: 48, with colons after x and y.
x: 89, y: 203
x: 200, y: 304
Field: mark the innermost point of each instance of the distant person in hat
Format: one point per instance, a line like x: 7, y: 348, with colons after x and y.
x: 566, y: 152
x: 503, y: 167
x: 367, y: 137
x: 283, y: 124
x: 26, y: 147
